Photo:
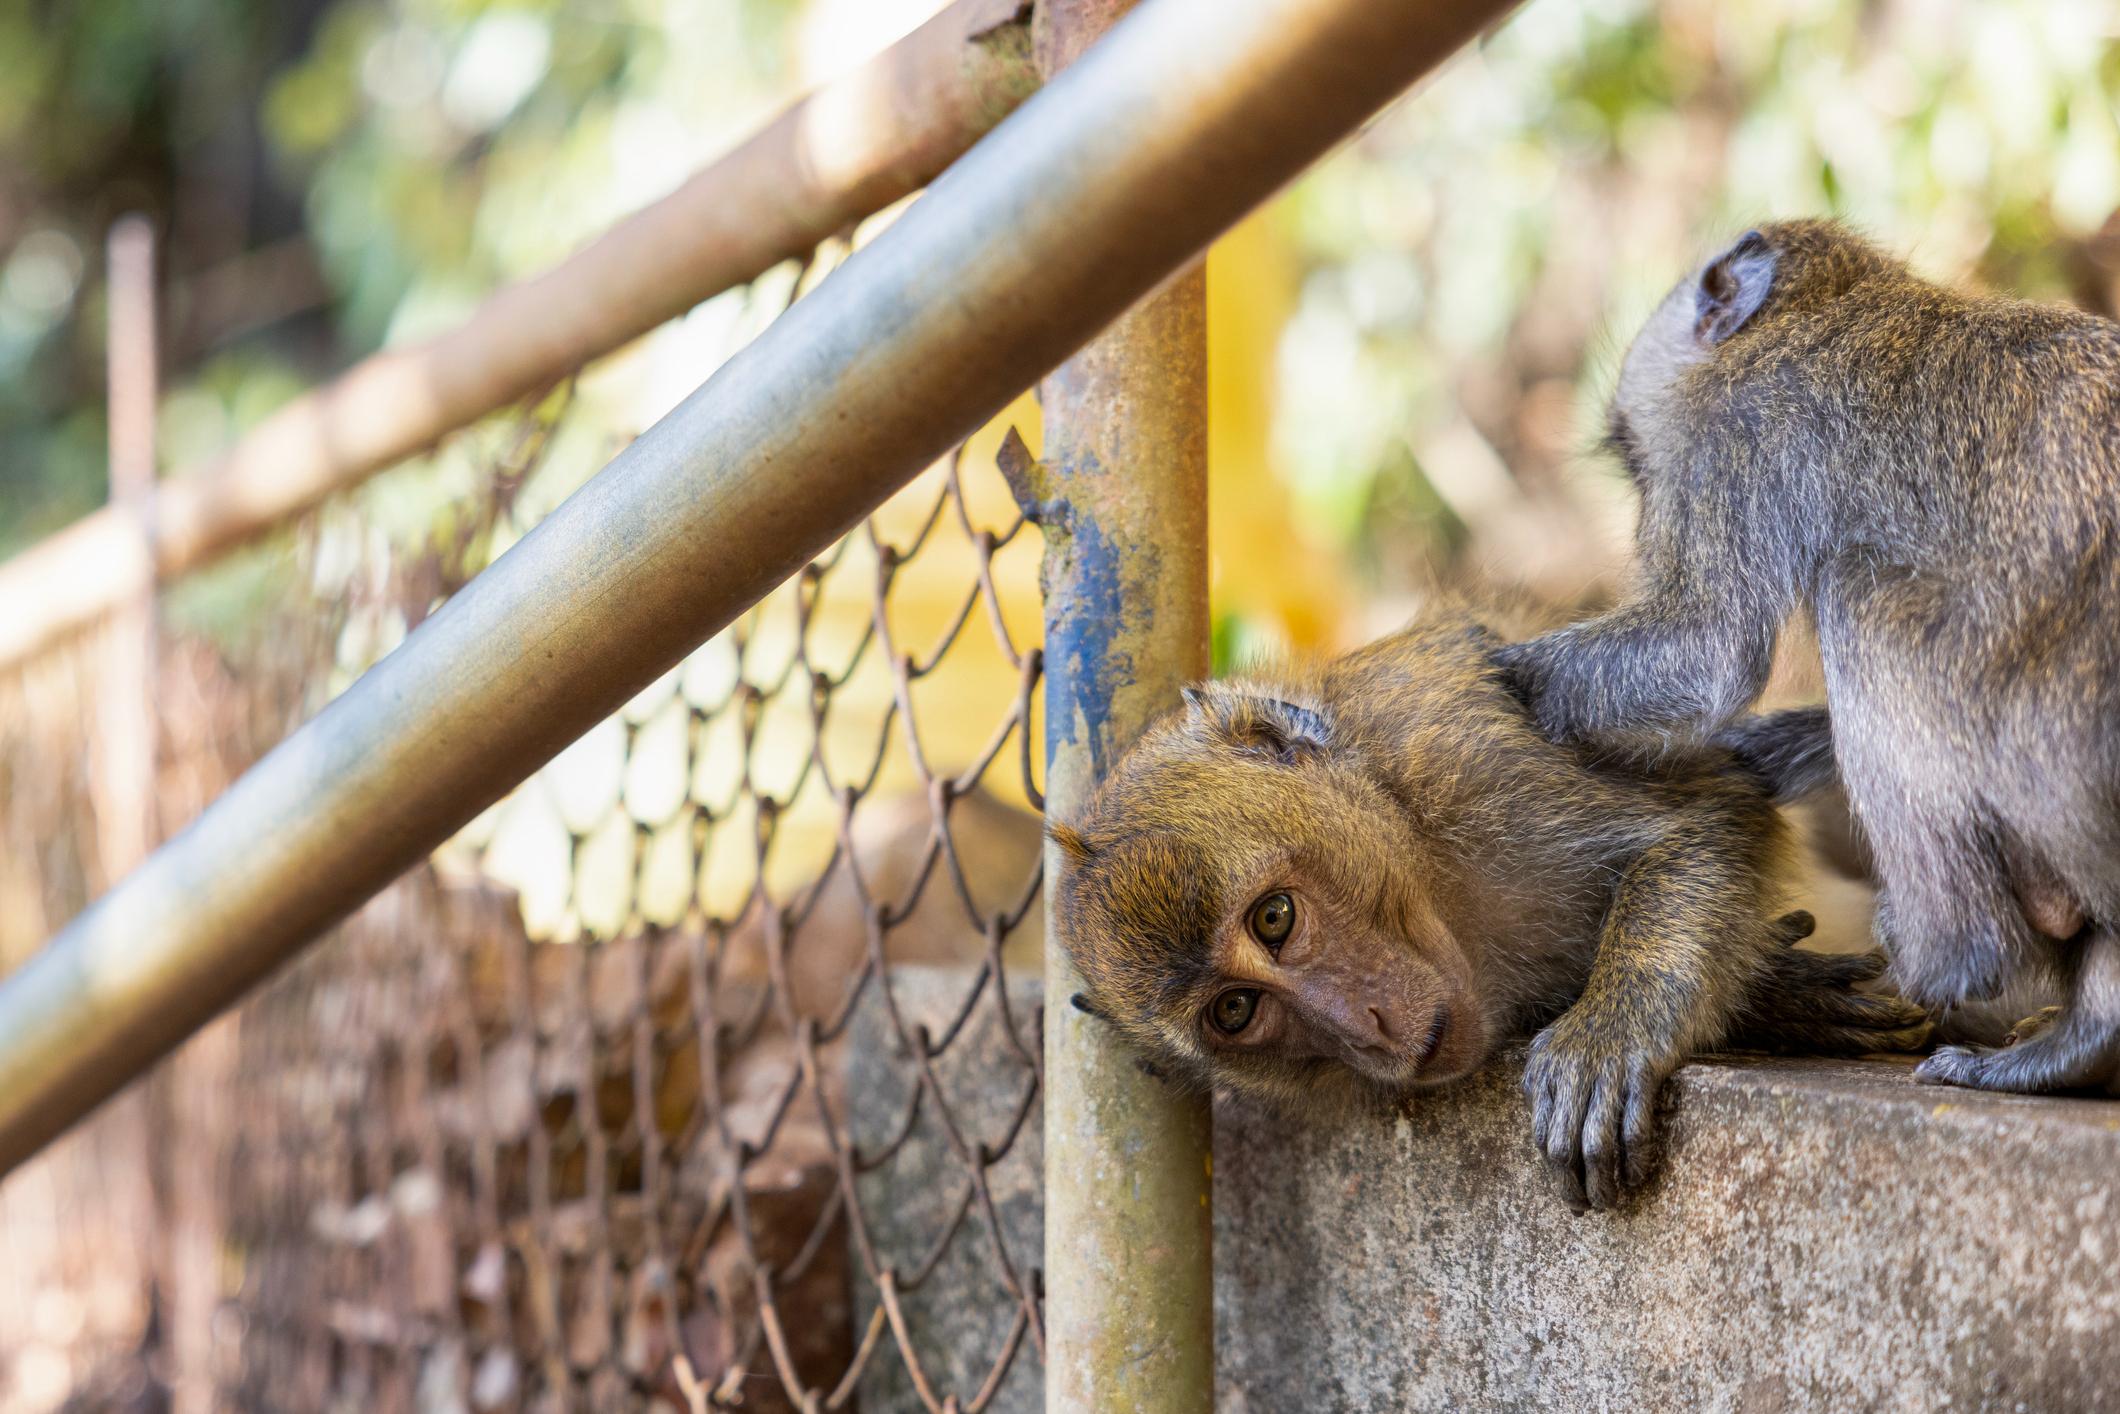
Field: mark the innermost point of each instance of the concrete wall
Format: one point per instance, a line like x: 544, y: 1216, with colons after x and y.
x: 959, y: 1315
x: 1824, y: 1236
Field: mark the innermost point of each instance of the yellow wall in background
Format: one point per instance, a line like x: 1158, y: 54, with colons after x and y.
x: 1285, y: 586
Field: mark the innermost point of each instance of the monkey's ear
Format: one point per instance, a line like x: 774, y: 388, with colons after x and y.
x: 1732, y: 288
x: 1070, y: 840
x: 1286, y: 731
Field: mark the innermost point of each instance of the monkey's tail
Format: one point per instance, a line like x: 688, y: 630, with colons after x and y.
x: 1791, y: 751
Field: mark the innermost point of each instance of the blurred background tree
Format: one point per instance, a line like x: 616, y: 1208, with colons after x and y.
x: 1472, y: 268
x: 1409, y: 346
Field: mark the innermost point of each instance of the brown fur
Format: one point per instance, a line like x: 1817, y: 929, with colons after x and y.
x: 1467, y: 880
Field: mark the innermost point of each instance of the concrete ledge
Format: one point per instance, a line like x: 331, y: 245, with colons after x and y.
x: 1824, y: 1235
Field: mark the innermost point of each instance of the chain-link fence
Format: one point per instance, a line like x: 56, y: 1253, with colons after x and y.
x: 690, y: 1075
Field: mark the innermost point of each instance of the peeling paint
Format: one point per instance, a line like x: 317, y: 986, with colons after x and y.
x: 1121, y: 495
x: 1088, y: 663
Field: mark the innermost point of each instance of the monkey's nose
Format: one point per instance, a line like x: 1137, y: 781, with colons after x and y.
x: 1368, y: 1035
x: 1356, y: 1028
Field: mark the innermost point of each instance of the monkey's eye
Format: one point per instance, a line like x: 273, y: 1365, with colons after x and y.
x: 1232, y: 1010
x: 1272, y: 919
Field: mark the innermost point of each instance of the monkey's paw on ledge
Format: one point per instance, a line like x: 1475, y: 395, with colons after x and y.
x: 1822, y: 1234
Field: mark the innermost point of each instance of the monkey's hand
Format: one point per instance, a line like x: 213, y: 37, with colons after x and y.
x: 1525, y: 671
x: 1806, y: 1003
x: 1595, y: 1073
x: 1593, y: 1079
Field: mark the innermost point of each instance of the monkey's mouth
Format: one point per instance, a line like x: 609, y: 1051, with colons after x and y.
x: 1433, y: 1041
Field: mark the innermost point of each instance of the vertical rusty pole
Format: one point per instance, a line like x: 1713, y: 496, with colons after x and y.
x: 183, y: 1111
x: 1129, y: 1290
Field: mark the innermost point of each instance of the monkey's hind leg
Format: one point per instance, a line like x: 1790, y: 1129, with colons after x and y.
x: 1947, y: 916
x: 2072, y: 1047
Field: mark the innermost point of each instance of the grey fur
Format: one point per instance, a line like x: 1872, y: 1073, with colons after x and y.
x: 1936, y: 476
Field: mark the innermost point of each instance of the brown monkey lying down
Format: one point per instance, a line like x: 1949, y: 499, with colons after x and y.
x: 1359, y: 879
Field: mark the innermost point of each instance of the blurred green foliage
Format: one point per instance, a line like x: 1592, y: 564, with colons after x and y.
x: 334, y: 174
x: 326, y: 175
x: 1473, y: 265
x: 107, y: 106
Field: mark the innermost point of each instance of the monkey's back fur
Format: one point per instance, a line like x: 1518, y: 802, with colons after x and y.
x: 1961, y: 552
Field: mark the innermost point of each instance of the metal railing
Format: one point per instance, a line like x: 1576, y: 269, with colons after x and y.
x: 1114, y: 177
x: 846, y: 151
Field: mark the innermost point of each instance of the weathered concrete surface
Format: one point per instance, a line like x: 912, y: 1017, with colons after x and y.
x: 959, y: 1315
x: 1825, y: 1236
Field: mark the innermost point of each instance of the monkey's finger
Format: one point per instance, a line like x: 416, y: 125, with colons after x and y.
x: 1562, y: 1141
x: 1540, y: 1088
x: 1805, y: 987
x: 1864, y: 1039
x: 1797, y: 969
x: 1541, y: 1105
x: 2039, y: 1022
x: 1856, y: 967
x: 1554, y: 1120
x: 1910, y: 1038
x: 1567, y: 1177
x: 1877, y: 1011
x: 1644, y: 1141
x: 1602, y: 1154
x: 1883, y: 1011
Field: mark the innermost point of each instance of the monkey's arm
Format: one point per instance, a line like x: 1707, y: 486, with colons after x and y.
x: 1790, y: 751
x: 1680, y: 947
x: 1660, y: 661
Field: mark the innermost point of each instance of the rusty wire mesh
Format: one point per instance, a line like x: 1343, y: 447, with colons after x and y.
x: 702, y: 1071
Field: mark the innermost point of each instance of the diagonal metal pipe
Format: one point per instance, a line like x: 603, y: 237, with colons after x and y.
x: 1185, y: 116
x: 850, y: 149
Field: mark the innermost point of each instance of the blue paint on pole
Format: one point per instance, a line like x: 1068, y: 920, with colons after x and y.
x: 1084, y: 658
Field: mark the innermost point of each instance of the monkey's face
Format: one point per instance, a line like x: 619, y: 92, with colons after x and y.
x: 1247, y: 905
x: 1318, y: 972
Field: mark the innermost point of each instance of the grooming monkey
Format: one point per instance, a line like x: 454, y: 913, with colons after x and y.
x: 1358, y: 879
x: 1936, y: 475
